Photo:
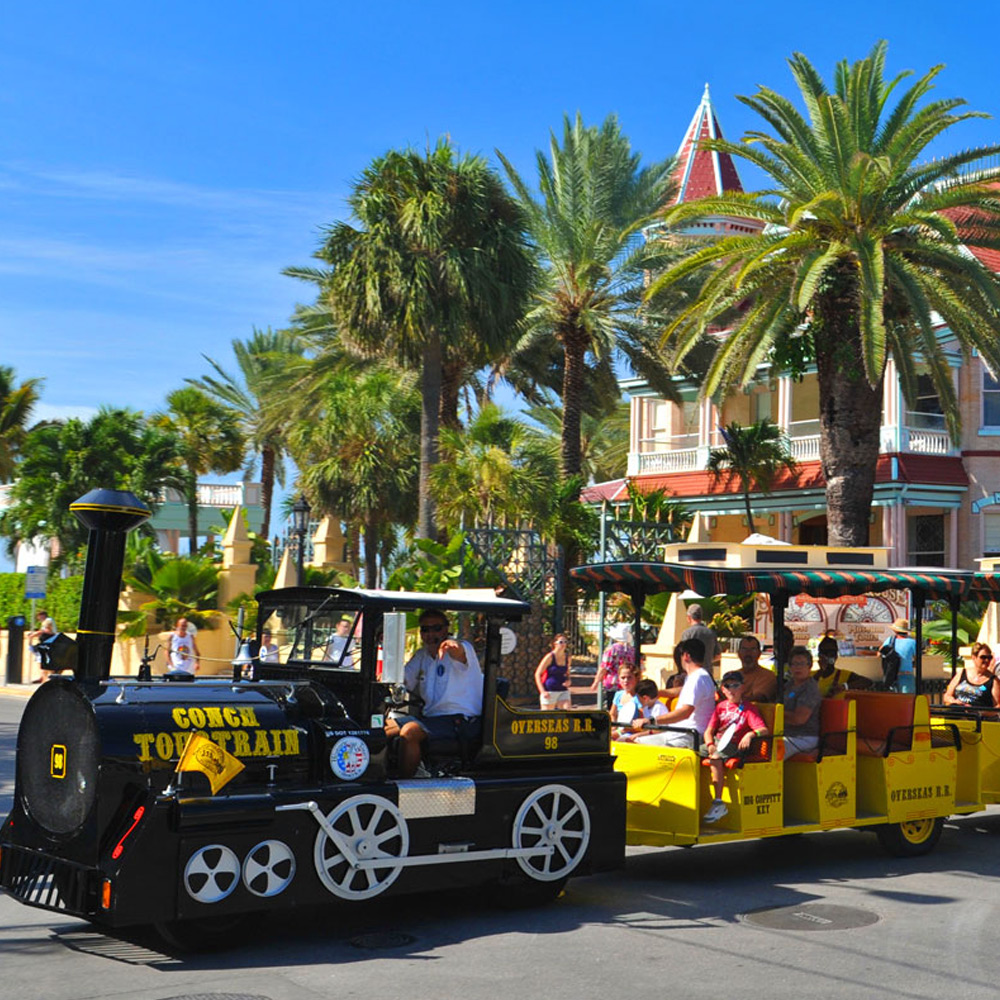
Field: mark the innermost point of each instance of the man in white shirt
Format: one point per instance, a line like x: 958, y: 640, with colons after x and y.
x: 184, y: 654
x: 695, y: 704
x: 340, y: 648
x: 446, y: 674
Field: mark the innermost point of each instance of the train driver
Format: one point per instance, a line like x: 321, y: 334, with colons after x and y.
x: 445, y: 673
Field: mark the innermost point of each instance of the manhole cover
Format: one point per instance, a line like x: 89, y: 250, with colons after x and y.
x: 812, y: 917
x: 382, y: 939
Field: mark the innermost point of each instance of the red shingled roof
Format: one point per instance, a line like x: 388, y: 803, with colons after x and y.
x: 965, y: 220
x: 700, y: 172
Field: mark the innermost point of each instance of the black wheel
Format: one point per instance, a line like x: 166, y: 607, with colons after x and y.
x: 205, y: 934
x: 910, y: 839
x: 519, y: 892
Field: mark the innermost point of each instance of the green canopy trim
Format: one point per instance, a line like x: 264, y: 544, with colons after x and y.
x: 652, y: 578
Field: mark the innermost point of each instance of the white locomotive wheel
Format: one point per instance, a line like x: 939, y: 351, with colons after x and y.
x: 372, y: 828
x: 211, y: 873
x: 552, y: 816
x: 269, y: 868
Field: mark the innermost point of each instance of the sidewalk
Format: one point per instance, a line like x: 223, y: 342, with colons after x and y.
x: 18, y: 690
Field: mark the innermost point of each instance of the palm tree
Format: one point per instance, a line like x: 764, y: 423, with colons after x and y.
x: 861, y: 250
x: 210, y: 441
x: 16, y: 404
x: 436, y: 269
x: 594, y: 199
x: 754, y: 455
x: 251, y: 392
x: 61, y: 460
x: 359, y: 453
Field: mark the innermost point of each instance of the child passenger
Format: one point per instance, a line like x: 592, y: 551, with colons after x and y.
x: 734, y: 724
x: 649, y: 708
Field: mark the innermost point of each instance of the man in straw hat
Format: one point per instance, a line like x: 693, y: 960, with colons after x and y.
x: 899, y: 639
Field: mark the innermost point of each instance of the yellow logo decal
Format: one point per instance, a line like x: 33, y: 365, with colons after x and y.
x: 57, y: 761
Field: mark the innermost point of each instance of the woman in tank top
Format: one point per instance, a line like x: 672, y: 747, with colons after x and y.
x: 552, y: 676
x: 975, y: 686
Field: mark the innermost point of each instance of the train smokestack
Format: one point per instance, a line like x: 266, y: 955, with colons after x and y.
x: 110, y: 515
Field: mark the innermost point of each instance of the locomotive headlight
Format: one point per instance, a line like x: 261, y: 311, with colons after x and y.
x: 349, y: 758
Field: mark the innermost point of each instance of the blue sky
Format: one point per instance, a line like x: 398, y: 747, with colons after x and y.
x: 161, y: 163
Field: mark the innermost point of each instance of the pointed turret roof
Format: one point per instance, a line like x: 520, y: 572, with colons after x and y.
x: 701, y: 172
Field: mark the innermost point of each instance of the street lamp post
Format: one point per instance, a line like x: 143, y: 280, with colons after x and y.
x: 300, y: 525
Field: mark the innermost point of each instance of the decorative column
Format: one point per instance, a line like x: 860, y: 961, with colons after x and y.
x: 238, y: 571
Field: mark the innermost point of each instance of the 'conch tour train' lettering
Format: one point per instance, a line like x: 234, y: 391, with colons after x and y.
x: 227, y: 726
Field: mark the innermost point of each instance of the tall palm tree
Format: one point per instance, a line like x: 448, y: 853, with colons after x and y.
x: 754, y: 454
x: 594, y: 198
x: 210, y: 441
x: 261, y: 362
x: 359, y: 453
x: 16, y: 404
x: 436, y: 265
x: 861, y: 250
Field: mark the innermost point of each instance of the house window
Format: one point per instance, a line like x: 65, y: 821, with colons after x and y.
x: 991, y: 400
x: 927, y: 414
x: 991, y: 534
x: 925, y: 540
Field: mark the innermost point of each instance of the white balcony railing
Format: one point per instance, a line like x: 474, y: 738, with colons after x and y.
x: 926, y: 442
x: 220, y: 495
x: 684, y: 460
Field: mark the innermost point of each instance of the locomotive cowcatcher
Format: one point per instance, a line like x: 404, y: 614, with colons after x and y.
x: 288, y: 792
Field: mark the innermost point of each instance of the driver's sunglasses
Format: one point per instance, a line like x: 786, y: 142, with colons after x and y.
x: 433, y: 628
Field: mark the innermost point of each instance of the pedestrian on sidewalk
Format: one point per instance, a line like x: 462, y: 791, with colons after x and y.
x: 552, y: 676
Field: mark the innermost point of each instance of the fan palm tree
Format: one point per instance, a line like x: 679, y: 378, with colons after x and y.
x: 754, y: 454
x: 437, y: 268
x: 595, y: 197
x: 250, y: 392
x: 16, y: 404
x: 210, y: 441
x: 862, y: 257
x: 359, y: 453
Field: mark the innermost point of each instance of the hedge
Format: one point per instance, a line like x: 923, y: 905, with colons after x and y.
x: 62, y: 601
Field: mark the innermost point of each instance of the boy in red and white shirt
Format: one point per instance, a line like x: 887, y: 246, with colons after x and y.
x: 733, y: 726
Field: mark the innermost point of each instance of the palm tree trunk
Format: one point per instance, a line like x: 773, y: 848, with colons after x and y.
x: 353, y: 547
x: 751, y: 527
x: 574, y: 355
x: 430, y: 394
x: 451, y: 384
x: 371, y: 536
x: 266, y: 487
x: 849, y: 421
x: 192, y: 505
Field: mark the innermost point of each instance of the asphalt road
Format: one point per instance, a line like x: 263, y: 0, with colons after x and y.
x: 674, y: 923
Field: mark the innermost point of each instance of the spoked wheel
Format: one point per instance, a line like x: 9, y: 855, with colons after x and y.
x: 912, y: 838
x: 371, y: 828
x: 554, y: 817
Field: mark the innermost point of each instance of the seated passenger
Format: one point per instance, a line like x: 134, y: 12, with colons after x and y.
x: 802, y: 704
x: 975, y: 685
x: 340, y: 648
x: 446, y: 674
x: 759, y: 683
x: 734, y: 724
x: 830, y: 678
x: 268, y: 652
x: 625, y: 705
x: 650, y: 708
x: 695, y: 703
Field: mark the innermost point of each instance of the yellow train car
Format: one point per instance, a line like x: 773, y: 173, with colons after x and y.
x: 883, y: 760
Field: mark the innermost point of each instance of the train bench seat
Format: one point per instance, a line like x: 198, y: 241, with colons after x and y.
x: 884, y: 722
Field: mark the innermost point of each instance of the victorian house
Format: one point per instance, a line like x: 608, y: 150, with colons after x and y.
x: 935, y: 503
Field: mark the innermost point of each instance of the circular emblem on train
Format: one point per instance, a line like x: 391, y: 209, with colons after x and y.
x: 836, y: 794
x: 349, y: 758
x: 211, y: 873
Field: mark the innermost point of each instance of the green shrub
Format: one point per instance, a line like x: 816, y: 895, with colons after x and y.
x: 62, y: 600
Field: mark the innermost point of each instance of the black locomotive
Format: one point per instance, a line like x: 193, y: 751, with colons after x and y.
x: 192, y: 805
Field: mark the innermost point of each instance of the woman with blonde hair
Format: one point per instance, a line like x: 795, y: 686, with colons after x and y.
x: 552, y: 676
x: 975, y: 685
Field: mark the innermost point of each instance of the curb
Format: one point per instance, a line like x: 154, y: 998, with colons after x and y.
x: 18, y: 690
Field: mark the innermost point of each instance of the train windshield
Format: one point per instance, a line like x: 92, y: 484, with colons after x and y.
x: 327, y: 637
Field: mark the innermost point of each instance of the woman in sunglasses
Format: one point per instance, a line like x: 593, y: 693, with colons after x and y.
x: 552, y: 676
x: 975, y: 685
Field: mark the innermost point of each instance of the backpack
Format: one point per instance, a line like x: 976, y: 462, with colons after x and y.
x: 891, y: 662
